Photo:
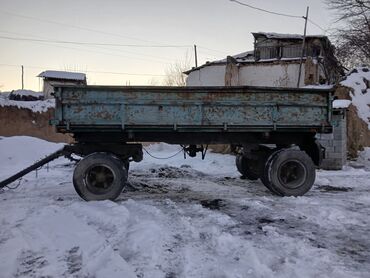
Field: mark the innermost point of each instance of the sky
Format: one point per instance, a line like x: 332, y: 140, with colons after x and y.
x: 218, y: 28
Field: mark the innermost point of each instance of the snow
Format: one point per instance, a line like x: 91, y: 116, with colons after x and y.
x: 63, y: 75
x: 20, y: 152
x: 321, y: 86
x: 272, y: 35
x: 180, y: 218
x: 36, y: 106
x: 364, y: 157
x: 361, y: 92
x: 341, y: 103
x: 247, y: 56
x: 27, y: 93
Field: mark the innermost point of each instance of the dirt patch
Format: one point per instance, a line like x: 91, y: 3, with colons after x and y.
x: 329, y: 188
x: 264, y: 220
x: 221, y: 148
x: 215, y: 204
x: 174, y: 172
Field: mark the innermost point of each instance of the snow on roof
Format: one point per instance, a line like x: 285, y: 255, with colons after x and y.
x: 241, y: 57
x: 62, y: 75
x: 285, y: 36
x: 359, y: 81
x: 247, y: 56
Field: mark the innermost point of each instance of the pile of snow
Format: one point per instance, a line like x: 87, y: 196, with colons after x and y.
x: 359, y: 81
x: 341, y: 103
x: 20, y: 152
x: 364, y: 157
x: 36, y: 106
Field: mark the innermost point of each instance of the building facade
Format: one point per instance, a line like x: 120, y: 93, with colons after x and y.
x: 274, y: 62
x: 52, y: 78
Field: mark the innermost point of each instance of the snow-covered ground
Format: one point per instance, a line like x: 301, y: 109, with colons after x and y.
x: 180, y: 218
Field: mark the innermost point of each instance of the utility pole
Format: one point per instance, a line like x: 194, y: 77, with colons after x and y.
x: 195, y: 56
x: 22, y: 78
x: 303, y: 46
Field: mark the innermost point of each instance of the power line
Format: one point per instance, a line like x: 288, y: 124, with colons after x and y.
x: 94, y: 43
x: 74, y: 26
x: 276, y: 13
x: 125, y: 73
x: 91, y: 71
x: 266, y: 11
x: 99, y: 47
x: 317, y: 25
x: 100, y: 52
x: 155, y: 44
x: 214, y: 50
x: 96, y: 31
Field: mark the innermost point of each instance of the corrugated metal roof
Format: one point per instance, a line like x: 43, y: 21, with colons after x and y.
x: 62, y: 75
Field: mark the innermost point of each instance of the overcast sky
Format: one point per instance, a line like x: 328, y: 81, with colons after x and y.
x: 218, y: 27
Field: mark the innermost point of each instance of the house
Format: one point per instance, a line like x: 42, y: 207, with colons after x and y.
x: 52, y: 77
x: 274, y: 62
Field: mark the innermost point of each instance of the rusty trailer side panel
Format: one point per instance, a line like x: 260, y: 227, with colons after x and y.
x: 191, y: 109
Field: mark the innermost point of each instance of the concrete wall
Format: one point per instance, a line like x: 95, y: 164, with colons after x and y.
x: 254, y: 74
x: 213, y: 75
x: 335, y: 143
x: 271, y: 75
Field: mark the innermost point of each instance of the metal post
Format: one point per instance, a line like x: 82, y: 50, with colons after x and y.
x: 22, y: 78
x: 195, y: 56
x: 303, y: 47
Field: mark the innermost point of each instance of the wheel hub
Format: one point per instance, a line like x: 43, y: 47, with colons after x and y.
x: 99, y: 178
x: 292, y: 174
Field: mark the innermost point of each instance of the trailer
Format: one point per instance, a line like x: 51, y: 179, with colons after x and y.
x: 272, y: 131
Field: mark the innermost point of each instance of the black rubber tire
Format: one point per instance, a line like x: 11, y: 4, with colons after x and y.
x: 265, y: 173
x: 243, y: 168
x: 111, y: 167
x: 289, y: 172
x: 126, y: 164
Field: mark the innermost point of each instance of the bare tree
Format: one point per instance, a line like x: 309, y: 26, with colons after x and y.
x: 154, y: 82
x: 352, y: 34
x: 174, y: 72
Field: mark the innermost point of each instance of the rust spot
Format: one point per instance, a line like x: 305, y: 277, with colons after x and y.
x: 78, y: 109
x: 104, y: 115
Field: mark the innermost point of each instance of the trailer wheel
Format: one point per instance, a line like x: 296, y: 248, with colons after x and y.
x: 265, y: 179
x: 99, y: 176
x: 243, y: 168
x: 289, y: 173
